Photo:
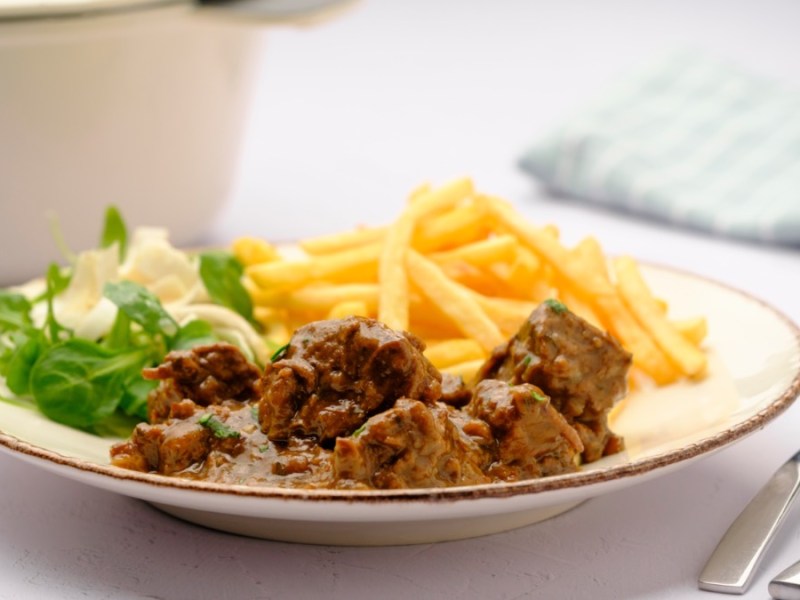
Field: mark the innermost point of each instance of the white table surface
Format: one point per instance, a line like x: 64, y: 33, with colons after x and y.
x: 348, y: 117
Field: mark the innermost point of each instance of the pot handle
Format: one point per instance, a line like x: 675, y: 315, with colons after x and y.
x: 295, y: 12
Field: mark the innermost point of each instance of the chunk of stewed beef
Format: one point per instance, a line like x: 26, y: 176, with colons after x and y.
x: 455, y: 391
x: 184, y: 439
x: 531, y: 438
x: 335, y: 374
x: 410, y: 445
x: 582, y: 369
x: 207, y: 375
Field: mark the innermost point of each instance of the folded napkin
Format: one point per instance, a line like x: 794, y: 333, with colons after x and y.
x: 690, y: 140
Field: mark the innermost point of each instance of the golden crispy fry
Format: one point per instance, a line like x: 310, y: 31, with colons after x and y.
x: 523, y: 275
x: 589, y: 254
x: 646, y: 354
x: 463, y: 271
x: 393, y: 298
x: 480, y: 280
x: 288, y: 274
x: 497, y: 249
x: 349, y: 308
x: 428, y: 322
x: 324, y: 298
x: 462, y: 225
x: 450, y: 352
x: 336, y: 242
x: 648, y: 312
x: 253, y: 251
x: 694, y: 329
x: 583, y: 309
x: 507, y: 313
x: 585, y: 282
x: 454, y: 300
x: 274, y: 322
x: 466, y: 370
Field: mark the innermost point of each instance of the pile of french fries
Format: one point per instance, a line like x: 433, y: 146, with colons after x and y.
x: 463, y: 270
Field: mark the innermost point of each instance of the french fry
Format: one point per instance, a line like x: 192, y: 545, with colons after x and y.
x: 462, y: 225
x: 454, y: 300
x: 646, y: 354
x: 522, y: 274
x: 252, y: 251
x: 288, y: 274
x: 589, y: 254
x: 336, y: 242
x: 507, y: 313
x: 583, y: 309
x: 393, y: 298
x: 585, y: 282
x: 634, y: 291
x: 480, y: 280
x: 463, y: 271
x: 349, y: 308
x: 451, y: 352
x: 466, y: 370
x: 274, y: 322
x: 694, y: 329
x: 427, y: 321
x: 324, y: 297
x: 497, y: 249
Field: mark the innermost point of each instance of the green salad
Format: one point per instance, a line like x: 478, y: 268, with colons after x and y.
x: 74, y: 342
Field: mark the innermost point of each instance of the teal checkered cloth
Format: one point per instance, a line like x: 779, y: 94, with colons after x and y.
x: 692, y: 141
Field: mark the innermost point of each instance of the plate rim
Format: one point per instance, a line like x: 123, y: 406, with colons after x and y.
x: 541, y: 485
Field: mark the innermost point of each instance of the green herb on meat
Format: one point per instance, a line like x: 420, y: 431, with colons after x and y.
x: 557, y: 306
x: 217, y: 427
x: 279, y: 353
x: 538, y: 396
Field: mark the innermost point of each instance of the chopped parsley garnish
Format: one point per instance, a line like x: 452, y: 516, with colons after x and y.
x: 527, y: 360
x: 217, y: 427
x: 279, y: 353
x: 557, y: 306
x: 538, y: 396
x: 359, y: 431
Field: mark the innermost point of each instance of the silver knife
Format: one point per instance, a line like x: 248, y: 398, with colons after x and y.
x: 738, y: 554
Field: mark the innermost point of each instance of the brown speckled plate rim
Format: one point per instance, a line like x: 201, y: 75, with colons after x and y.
x: 494, y: 490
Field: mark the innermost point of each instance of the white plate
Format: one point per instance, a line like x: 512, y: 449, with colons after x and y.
x: 754, y: 376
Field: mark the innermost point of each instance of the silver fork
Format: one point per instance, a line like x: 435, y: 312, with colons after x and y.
x: 733, y: 563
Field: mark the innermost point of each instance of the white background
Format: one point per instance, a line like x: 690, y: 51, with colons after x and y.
x: 348, y: 117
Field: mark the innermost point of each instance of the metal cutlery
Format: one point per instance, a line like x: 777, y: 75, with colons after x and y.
x: 786, y: 585
x: 733, y: 563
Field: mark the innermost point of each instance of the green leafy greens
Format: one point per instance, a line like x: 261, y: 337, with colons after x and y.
x: 222, y: 275
x: 92, y: 385
x: 114, y: 231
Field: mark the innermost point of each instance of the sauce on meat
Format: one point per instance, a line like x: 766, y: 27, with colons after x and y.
x: 353, y: 404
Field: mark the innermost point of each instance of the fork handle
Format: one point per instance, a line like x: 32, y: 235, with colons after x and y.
x: 738, y: 554
x: 786, y: 585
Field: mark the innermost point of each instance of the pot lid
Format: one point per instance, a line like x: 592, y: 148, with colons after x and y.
x: 23, y: 10
x: 265, y: 11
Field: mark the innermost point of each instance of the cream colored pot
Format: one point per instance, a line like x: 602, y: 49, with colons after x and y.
x: 136, y: 103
